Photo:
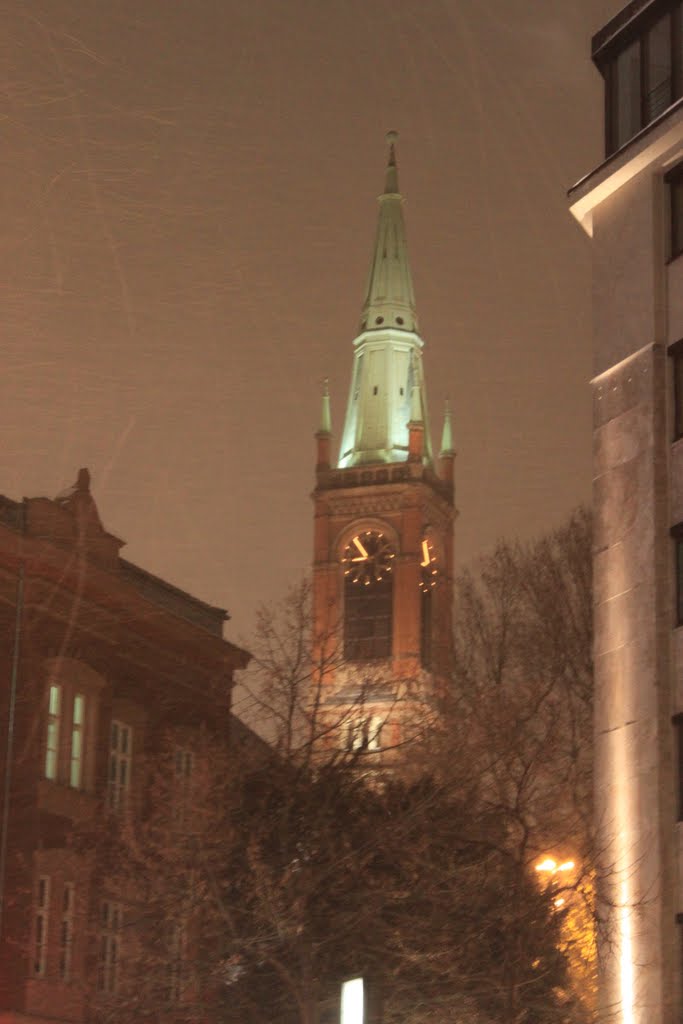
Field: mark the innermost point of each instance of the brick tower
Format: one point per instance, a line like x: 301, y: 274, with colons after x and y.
x: 384, y: 511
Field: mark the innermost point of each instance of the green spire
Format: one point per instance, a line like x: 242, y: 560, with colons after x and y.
x: 389, y: 297
x: 387, y: 384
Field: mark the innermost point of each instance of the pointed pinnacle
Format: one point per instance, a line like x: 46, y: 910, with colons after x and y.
x: 416, y: 404
x: 447, y: 435
x: 325, y: 414
x: 391, y: 179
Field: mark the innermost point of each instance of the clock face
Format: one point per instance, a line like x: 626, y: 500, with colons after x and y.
x: 368, y: 558
x: 428, y: 568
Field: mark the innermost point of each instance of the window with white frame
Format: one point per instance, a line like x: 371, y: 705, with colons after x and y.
x: 120, y: 763
x: 77, y: 730
x: 184, y: 767
x: 67, y: 735
x: 54, y: 711
x: 41, y: 926
x: 111, y: 923
x: 184, y: 763
x: 66, y: 932
x: 364, y: 734
x: 177, y: 964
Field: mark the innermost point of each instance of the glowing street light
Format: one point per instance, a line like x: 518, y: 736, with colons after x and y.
x: 352, y: 1002
x: 551, y: 867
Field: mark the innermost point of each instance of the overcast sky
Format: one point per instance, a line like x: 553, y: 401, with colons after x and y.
x: 188, y: 193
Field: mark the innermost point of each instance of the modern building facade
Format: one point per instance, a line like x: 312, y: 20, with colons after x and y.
x: 631, y: 206
x: 384, y: 511
x: 103, y: 664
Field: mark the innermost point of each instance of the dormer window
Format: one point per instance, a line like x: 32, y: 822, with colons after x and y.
x: 643, y: 74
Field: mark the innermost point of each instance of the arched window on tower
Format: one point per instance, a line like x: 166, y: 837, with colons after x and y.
x: 426, y: 628
x: 368, y: 597
x: 428, y: 577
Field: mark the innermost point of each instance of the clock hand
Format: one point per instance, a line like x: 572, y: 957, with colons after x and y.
x: 425, y: 555
x: 363, y: 553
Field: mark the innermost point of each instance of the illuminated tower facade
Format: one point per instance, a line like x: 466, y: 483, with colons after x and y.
x: 383, y: 537
x: 631, y: 206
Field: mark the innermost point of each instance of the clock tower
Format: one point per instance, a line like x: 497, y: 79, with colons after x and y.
x: 384, y: 511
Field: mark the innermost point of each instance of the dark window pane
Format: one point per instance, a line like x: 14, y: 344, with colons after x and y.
x: 679, y: 581
x: 367, y: 620
x: 625, y: 98
x: 676, y: 25
x: 658, y: 69
x: 678, y: 395
x: 676, y: 199
x: 426, y: 630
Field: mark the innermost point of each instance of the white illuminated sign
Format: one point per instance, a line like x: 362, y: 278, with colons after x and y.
x: 352, y: 1000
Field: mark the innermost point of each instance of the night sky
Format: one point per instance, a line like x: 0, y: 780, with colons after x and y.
x: 188, y: 195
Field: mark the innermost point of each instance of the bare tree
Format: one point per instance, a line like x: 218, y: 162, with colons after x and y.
x: 298, y: 870
x: 517, y: 725
x: 316, y: 707
x: 285, y: 881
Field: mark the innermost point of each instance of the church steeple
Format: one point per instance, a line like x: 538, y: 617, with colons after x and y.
x: 388, y: 350
x: 383, y: 524
x: 389, y: 298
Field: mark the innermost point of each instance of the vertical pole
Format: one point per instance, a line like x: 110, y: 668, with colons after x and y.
x: 10, y: 740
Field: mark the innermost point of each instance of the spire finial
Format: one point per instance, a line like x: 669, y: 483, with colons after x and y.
x: 391, y: 180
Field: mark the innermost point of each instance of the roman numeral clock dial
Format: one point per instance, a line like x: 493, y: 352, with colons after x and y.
x: 368, y: 558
